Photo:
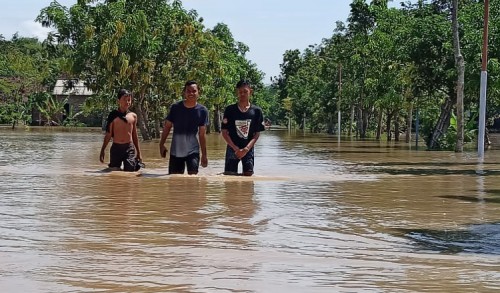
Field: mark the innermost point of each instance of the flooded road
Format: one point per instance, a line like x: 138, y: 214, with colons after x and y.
x: 318, y: 216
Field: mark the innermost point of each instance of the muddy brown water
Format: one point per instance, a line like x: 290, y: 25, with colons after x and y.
x: 318, y: 216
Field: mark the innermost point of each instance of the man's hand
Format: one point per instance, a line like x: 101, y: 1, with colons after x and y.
x: 242, y: 152
x: 101, y: 156
x: 204, y: 161
x: 163, y: 151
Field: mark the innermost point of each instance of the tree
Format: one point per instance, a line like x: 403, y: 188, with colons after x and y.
x: 26, y: 69
x: 459, y: 62
x: 150, y: 47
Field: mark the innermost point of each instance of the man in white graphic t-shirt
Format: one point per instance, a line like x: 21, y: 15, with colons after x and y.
x: 241, y: 125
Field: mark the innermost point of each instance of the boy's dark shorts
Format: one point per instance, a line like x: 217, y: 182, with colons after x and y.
x: 231, y: 165
x: 176, y: 165
x: 123, y: 153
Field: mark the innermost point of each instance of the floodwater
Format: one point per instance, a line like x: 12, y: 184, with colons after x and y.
x: 318, y: 216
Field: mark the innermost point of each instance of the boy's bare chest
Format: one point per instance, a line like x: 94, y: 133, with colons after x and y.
x: 128, y: 119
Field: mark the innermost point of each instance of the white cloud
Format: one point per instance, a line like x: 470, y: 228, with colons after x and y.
x: 33, y: 29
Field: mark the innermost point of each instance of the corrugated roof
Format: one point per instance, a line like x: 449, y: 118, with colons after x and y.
x: 78, y: 89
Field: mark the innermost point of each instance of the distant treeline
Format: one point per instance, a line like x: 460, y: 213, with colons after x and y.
x: 380, y: 68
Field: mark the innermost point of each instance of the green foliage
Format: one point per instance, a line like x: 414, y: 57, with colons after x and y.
x: 15, y: 111
x: 383, y: 60
x: 72, y: 120
x: 392, y: 60
x: 150, y: 47
x: 449, y: 140
x: 50, y: 108
x: 26, y: 69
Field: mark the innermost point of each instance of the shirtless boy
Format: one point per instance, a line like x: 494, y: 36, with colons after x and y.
x: 122, y: 127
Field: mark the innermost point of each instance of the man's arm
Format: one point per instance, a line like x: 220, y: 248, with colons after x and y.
x: 229, y: 141
x: 259, y: 126
x: 202, y: 130
x: 253, y: 141
x: 164, y: 135
x: 243, y: 152
x: 105, y: 142
x: 135, y: 139
x: 240, y: 153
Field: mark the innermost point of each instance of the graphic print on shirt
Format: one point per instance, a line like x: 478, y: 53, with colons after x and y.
x: 243, y: 127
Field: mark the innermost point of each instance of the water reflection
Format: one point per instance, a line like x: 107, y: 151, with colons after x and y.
x: 149, y: 212
x: 239, y: 207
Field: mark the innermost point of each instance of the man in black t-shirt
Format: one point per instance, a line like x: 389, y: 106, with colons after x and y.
x: 241, y: 125
x: 189, y: 120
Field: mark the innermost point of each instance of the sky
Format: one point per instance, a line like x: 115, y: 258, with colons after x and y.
x: 267, y: 27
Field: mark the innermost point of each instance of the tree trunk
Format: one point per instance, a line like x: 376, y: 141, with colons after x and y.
x: 349, y: 131
x: 379, y: 124
x: 331, y: 124
x: 359, y: 123
x: 158, y: 127
x: 217, y: 120
x: 396, y: 125
x: 409, y: 123
x: 459, y: 63
x: 442, y: 124
x: 364, y: 123
x: 487, y: 141
x: 362, y: 113
x: 388, y: 126
x: 142, y: 120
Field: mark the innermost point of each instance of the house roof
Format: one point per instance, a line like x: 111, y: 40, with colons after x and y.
x: 78, y: 89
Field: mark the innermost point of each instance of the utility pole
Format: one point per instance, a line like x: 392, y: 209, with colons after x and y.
x: 484, y: 81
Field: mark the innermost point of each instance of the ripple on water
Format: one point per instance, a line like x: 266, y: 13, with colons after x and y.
x: 316, y: 217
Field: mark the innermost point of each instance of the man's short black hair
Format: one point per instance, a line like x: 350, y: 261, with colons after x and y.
x: 123, y: 92
x: 243, y: 82
x: 189, y: 83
